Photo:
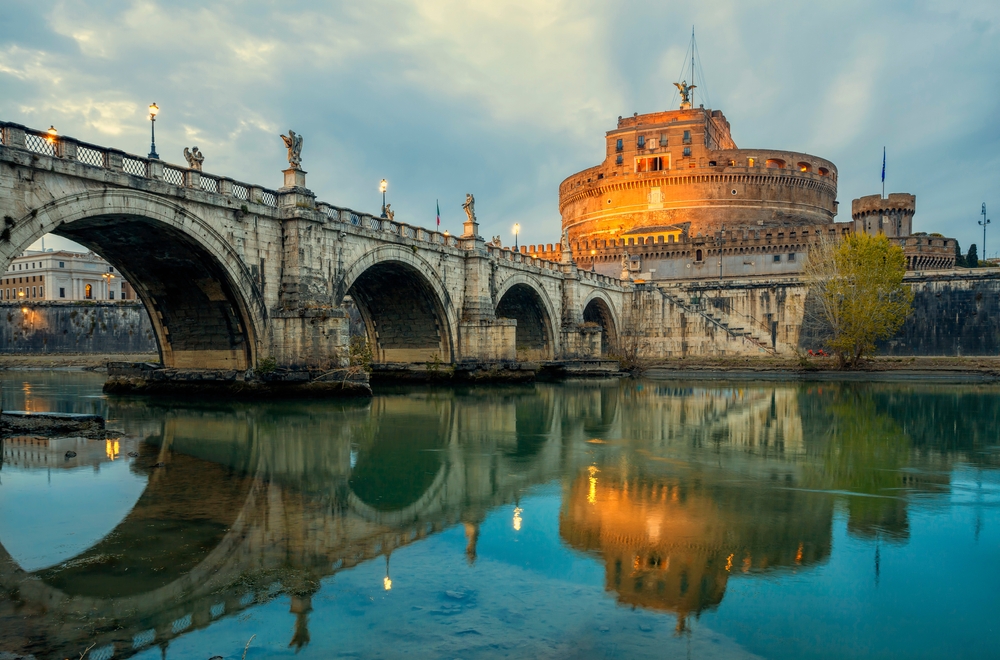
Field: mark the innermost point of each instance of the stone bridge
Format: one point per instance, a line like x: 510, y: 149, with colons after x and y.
x: 233, y: 273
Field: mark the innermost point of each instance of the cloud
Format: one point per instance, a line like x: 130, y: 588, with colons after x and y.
x: 506, y: 99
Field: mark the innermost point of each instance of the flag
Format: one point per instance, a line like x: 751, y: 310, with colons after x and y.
x: 439, y: 212
x: 883, y: 164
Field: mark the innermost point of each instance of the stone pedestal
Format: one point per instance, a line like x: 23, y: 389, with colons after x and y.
x: 488, y: 341
x: 470, y: 229
x: 294, y: 193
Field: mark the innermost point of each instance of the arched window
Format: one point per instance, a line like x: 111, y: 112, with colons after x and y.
x: 775, y: 163
x: 88, y: 292
x: 697, y: 255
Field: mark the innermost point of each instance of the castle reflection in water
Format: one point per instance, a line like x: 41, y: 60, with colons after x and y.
x: 675, y: 490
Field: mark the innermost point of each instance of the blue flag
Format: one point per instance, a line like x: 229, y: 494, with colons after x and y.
x: 883, y: 164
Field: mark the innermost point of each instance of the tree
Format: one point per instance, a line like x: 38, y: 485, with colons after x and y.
x: 959, y: 257
x: 972, y: 260
x: 858, y: 285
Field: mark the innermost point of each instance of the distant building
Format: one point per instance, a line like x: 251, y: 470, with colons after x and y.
x: 63, y: 276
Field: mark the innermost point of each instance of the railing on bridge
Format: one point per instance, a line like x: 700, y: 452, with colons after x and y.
x: 47, y: 143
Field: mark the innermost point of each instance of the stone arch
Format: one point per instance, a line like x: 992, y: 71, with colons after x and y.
x: 521, y: 298
x: 205, y: 306
x: 406, y: 310
x: 598, y: 309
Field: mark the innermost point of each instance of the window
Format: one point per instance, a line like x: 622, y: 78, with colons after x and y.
x: 62, y: 264
x: 62, y: 292
x: 774, y: 164
x: 663, y: 140
x: 111, y: 294
x: 41, y: 292
x: 34, y: 292
x: 687, y: 151
x: 88, y: 292
x: 777, y: 258
x: 641, y: 141
x: 687, y: 137
x: 791, y: 256
x: 618, y: 145
x: 750, y: 162
x: 697, y: 255
x: 649, y: 164
x: 619, y: 160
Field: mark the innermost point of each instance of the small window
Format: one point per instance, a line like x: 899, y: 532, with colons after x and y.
x: 663, y: 140
x: 775, y: 163
x: 619, y: 160
x: 697, y: 255
x: 750, y: 162
x: 62, y: 292
x: 791, y: 256
x: 823, y: 171
x: 777, y: 258
x: 618, y: 145
x: 111, y: 294
x: 641, y: 141
x: 687, y: 151
x: 62, y: 264
x: 111, y: 269
x: 41, y: 292
x: 34, y: 292
x: 687, y: 137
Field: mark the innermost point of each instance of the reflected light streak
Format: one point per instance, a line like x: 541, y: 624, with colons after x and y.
x: 387, y: 583
x: 517, y: 518
x: 111, y: 449
x: 592, y: 495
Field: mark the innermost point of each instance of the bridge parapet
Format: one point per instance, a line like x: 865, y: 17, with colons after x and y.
x: 49, y: 143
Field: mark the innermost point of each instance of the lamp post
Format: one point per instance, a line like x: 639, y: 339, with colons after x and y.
x: 153, y: 109
x: 107, y: 284
x: 593, y: 258
x: 517, y: 230
x: 985, y: 221
x: 382, y: 187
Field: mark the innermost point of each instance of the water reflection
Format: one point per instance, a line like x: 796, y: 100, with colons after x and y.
x: 674, y: 491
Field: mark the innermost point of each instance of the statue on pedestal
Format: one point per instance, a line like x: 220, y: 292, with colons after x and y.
x: 389, y: 213
x: 685, y: 90
x: 294, y: 144
x: 470, y: 207
x: 625, y: 269
x: 194, y: 158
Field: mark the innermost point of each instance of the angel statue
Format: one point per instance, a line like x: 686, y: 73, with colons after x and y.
x: 625, y: 268
x: 389, y: 213
x: 470, y: 207
x: 685, y: 90
x: 294, y: 144
x: 564, y: 243
x: 194, y: 158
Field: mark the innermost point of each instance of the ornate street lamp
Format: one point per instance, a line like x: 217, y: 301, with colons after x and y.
x: 593, y: 258
x: 153, y: 109
x: 382, y: 187
x: 985, y: 221
x: 517, y: 230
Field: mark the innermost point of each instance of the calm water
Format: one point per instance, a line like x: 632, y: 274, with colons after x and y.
x: 588, y: 520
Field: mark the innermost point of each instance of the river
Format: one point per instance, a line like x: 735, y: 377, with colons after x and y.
x: 603, y: 519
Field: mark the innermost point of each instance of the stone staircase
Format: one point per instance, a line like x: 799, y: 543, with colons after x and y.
x: 737, y: 326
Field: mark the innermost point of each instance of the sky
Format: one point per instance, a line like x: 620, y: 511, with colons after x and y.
x: 507, y: 99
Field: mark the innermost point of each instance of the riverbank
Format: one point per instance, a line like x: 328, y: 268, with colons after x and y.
x: 941, y: 369
x: 77, y: 361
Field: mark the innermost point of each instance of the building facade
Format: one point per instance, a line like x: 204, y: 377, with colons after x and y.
x: 676, y: 199
x: 63, y: 276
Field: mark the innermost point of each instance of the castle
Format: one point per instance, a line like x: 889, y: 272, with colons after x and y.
x: 676, y: 199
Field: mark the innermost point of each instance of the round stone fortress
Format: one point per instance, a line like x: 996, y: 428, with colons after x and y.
x: 680, y: 172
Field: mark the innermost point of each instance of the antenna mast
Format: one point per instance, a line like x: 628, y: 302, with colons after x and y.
x: 692, y: 66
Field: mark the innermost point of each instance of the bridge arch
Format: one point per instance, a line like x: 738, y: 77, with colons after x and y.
x: 523, y: 299
x: 597, y: 308
x: 205, y: 306
x: 404, y: 305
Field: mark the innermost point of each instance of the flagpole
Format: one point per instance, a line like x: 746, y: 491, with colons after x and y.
x: 883, y: 172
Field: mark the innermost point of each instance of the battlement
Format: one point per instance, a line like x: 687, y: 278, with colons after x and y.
x: 878, y: 205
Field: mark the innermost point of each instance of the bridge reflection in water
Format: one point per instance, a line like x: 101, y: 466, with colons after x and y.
x: 675, y: 491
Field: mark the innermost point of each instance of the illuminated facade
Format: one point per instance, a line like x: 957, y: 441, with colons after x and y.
x: 63, y: 276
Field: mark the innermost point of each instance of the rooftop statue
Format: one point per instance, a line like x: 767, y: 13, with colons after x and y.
x: 685, y: 90
x: 389, y: 213
x: 294, y: 144
x: 194, y: 158
x: 470, y: 207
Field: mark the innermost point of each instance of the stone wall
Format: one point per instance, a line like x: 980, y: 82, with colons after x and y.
x: 85, y: 327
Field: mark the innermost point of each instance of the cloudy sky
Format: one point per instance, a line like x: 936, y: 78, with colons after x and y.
x: 506, y: 99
